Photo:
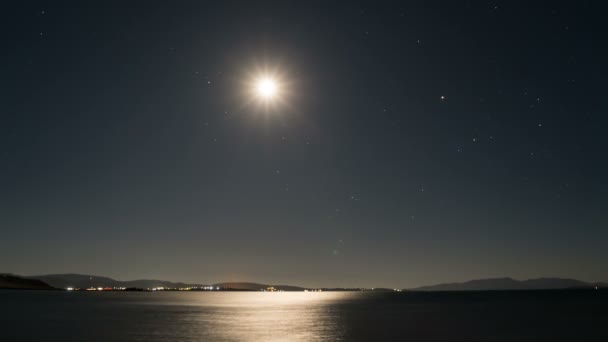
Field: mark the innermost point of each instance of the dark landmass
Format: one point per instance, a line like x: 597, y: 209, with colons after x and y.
x: 9, y: 281
x: 83, y: 281
x: 512, y: 284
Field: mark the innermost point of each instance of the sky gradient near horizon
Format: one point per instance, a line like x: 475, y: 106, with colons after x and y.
x: 416, y: 142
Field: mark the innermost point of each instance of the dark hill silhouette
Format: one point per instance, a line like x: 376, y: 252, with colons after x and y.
x: 85, y: 281
x: 9, y: 281
x: 511, y: 284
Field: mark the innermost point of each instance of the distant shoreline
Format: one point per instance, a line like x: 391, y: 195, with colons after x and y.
x: 92, y: 283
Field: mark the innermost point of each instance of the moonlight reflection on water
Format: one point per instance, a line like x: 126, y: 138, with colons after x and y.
x: 297, y: 316
x: 264, y: 316
x: 253, y: 316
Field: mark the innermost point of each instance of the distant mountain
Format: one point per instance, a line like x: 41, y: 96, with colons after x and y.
x: 85, y: 281
x: 511, y: 284
x: 240, y: 286
x: 9, y: 281
x: 62, y: 281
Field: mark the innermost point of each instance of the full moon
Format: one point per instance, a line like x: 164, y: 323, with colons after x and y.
x: 266, y: 88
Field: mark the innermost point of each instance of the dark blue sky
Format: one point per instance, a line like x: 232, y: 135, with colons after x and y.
x: 419, y: 142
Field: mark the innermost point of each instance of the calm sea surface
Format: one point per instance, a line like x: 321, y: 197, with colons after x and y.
x: 298, y: 316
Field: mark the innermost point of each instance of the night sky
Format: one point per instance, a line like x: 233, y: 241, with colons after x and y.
x: 411, y: 142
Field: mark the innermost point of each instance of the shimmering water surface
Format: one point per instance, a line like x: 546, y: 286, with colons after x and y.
x: 298, y: 316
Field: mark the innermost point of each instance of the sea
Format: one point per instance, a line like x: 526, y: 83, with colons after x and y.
x: 566, y: 315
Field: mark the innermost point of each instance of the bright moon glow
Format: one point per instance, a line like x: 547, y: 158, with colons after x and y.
x: 266, y: 88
